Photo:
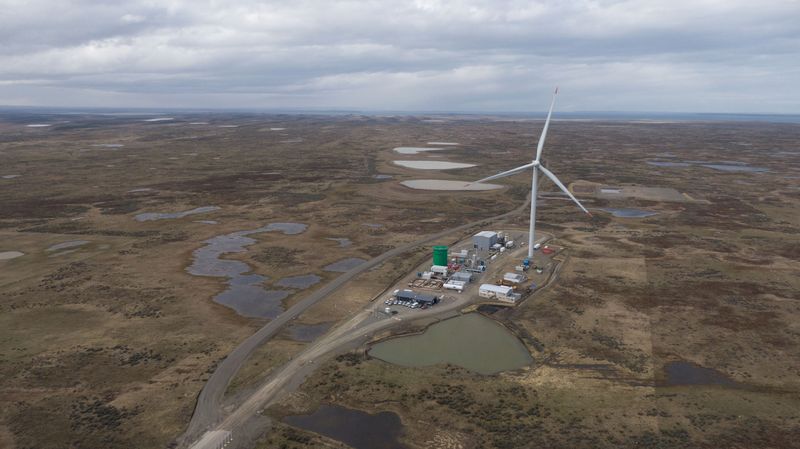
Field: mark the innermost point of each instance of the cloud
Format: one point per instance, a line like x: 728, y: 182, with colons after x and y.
x: 700, y: 55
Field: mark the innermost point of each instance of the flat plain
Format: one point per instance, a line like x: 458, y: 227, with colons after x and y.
x: 679, y: 329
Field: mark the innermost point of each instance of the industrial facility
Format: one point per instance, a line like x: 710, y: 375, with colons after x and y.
x: 464, y: 269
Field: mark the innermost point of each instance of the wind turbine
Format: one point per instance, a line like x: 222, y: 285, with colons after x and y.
x: 536, y: 166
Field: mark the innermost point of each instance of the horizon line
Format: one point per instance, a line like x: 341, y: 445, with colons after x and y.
x: 363, y: 111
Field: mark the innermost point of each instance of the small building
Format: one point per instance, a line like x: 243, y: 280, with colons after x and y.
x: 514, y: 278
x: 461, y: 276
x: 410, y: 295
x: 455, y: 285
x: 498, y: 292
x: 484, y: 240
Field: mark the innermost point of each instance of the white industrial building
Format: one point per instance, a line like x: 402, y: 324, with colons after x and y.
x: 515, y: 278
x: 498, y: 292
x: 484, y: 240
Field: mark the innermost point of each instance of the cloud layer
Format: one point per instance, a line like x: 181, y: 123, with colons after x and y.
x: 692, y: 56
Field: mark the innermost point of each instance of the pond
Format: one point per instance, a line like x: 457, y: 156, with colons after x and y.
x: 8, y: 255
x: 245, y: 293
x: 152, y: 216
x: 629, y: 213
x: 433, y: 165
x: 65, y: 245
x: 471, y: 341
x: 736, y: 168
x: 355, y: 428
x: 686, y: 373
x: 9, y: 176
x: 415, y: 150
x: 344, y: 264
x: 287, y: 228
x: 439, y: 184
x: 669, y: 164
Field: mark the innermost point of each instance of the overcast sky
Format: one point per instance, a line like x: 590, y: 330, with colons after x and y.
x: 481, y: 56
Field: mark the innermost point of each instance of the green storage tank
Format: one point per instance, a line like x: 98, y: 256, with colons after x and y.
x: 440, y: 255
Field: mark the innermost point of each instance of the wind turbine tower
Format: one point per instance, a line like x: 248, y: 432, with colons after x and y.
x: 536, y: 166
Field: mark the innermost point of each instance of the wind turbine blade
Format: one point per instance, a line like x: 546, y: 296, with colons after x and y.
x: 513, y: 171
x: 553, y: 178
x: 546, y: 125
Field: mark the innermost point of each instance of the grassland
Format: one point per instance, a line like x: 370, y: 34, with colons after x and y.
x: 109, y: 344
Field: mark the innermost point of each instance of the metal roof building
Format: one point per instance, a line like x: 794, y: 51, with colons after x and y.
x: 499, y: 292
x: 410, y: 295
x: 484, y: 240
x: 462, y: 276
x: 514, y: 277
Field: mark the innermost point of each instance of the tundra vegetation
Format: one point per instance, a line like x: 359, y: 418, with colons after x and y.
x: 91, y: 334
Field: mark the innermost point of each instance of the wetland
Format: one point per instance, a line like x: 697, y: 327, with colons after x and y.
x: 245, y: 292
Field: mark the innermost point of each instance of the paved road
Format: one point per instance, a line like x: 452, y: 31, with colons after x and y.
x: 209, y: 403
